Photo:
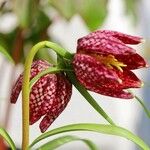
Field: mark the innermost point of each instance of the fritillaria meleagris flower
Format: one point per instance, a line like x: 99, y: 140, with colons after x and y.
x: 48, y: 97
x: 104, y: 61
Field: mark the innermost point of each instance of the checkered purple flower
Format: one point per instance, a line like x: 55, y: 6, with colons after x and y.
x: 48, y: 97
x: 104, y: 61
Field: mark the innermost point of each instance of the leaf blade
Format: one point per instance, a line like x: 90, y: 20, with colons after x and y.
x: 143, y: 106
x: 60, y: 141
x: 100, y: 128
x: 6, y: 136
x: 6, y: 54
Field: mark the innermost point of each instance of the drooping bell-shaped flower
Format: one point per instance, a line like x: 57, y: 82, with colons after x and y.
x: 104, y: 61
x: 48, y: 97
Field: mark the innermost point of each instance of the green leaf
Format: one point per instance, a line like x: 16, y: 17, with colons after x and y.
x: 6, y: 54
x: 6, y: 136
x: 66, y: 8
x: 93, y: 12
x: 10, y: 38
x: 25, y: 11
x: 100, y: 128
x: 66, y: 139
x: 143, y: 105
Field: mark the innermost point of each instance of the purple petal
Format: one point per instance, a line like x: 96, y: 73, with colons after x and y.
x: 62, y: 97
x: 125, y: 38
x: 16, y: 90
x: 103, y: 44
x: 46, y: 122
x: 89, y: 70
x: 42, y: 95
x: 129, y: 80
x: 133, y: 61
x: 37, y: 66
x: 112, y: 93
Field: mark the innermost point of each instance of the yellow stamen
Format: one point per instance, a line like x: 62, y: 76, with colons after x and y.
x: 110, y: 61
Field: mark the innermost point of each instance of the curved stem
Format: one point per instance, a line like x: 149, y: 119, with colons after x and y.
x: 46, y: 71
x: 25, y: 85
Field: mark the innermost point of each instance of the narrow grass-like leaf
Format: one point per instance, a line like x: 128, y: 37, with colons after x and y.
x: 88, y: 97
x: 100, y: 128
x: 60, y: 141
x: 6, y: 136
x: 143, y: 105
x: 6, y: 54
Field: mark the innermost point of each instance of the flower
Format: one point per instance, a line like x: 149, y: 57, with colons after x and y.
x: 104, y: 61
x: 48, y: 97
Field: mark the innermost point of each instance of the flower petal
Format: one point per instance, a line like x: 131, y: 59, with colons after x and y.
x: 16, y: 90
x: 89, y: 70
x: 48, y: 97
x: 42, y: 95
x: 112, y: 93
x: 46, y: 122
x: 103, y: 44
x: 108, y: 91
x: 125, y: 38
x: 63, y: 94
x: 34, y: 117
x: 37, y: 66
x: 129, y: 80
x: 133, y: 61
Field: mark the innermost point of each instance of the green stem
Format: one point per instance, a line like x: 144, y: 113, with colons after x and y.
x: 25, y: 85
x: 88, y: 97
x: 46, y: 71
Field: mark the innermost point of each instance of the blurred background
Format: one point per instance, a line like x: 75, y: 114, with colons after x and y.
x: 26, y: 22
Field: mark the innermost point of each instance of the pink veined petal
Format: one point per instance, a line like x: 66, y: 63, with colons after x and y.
x: 42, y: 95
x: 125, y: 38
x: 129, y: 80
x: 48, y: 97
x: 133, y: 61
x: 112, y: 93
x: 103, y: 44
x: 89, y: 70
x: 63, y: 95
x: 34, y: 116
x: 16, y: 90
x: 36, y: 67
x: 107, y: 91
x: 46, y: 122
